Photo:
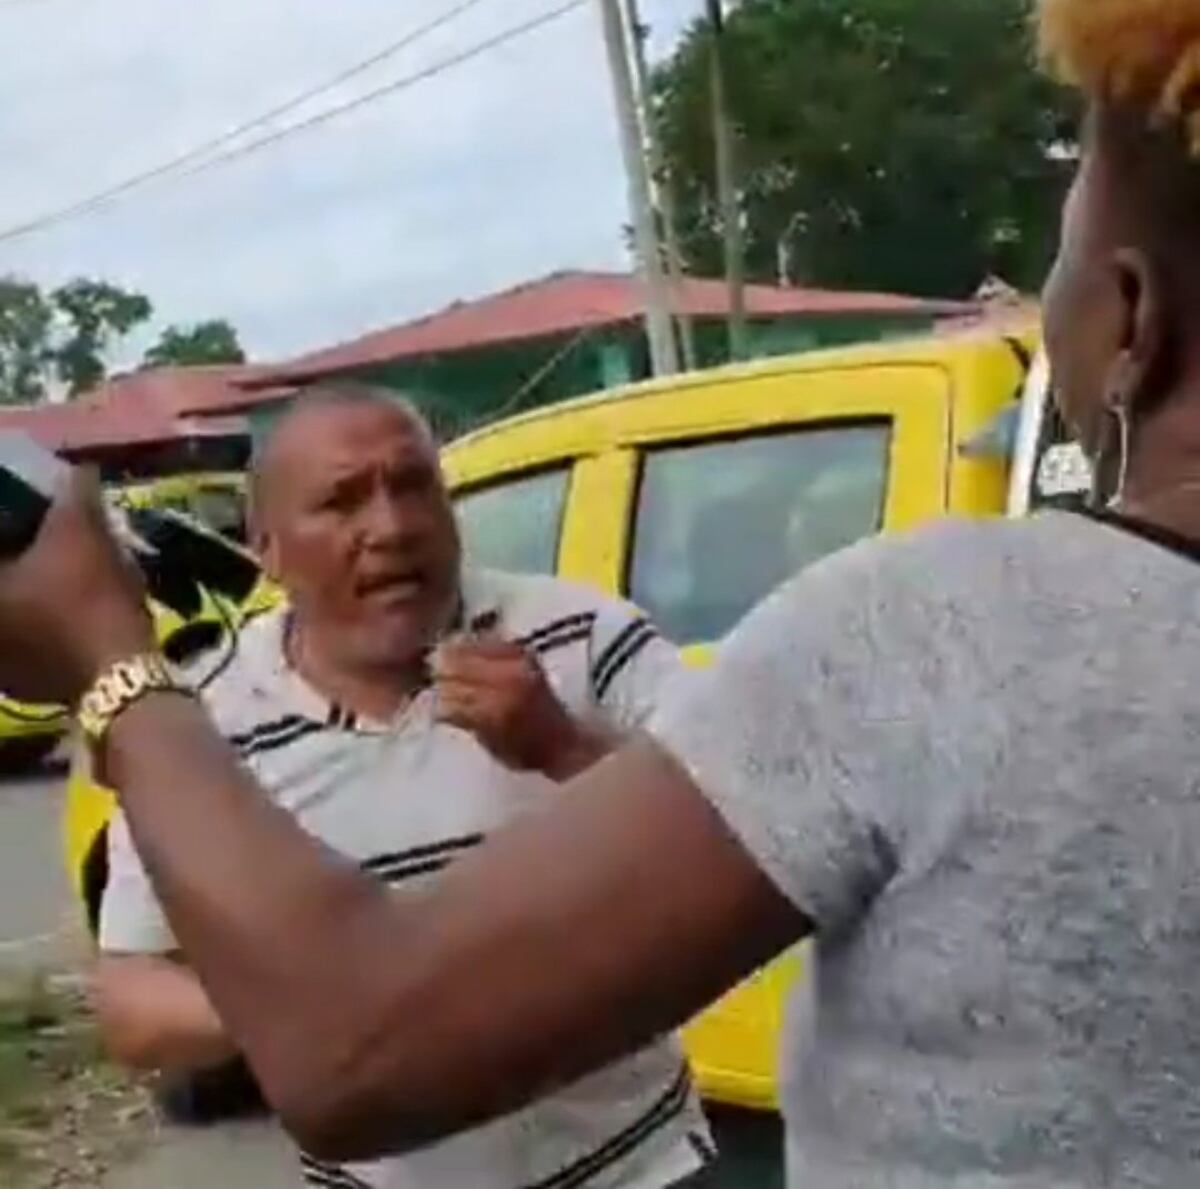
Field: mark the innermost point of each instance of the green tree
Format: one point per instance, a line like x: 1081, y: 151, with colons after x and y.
x: 93, y: 316
x: 25, y: 321
x: 215, y: 341
x: 899, y: 144
x: 62, y: 336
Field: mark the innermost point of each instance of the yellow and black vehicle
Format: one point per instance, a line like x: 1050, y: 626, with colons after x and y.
x: 28, y: 734
x: 214, y: 498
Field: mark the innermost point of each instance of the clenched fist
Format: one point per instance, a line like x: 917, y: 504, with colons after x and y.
x: 497, y: 691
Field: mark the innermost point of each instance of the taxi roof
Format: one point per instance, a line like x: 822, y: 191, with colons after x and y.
x: 945, y: 348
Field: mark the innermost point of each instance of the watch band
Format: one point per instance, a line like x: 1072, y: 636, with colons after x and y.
x: 119, y: 687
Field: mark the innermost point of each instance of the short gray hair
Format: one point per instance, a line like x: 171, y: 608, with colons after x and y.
x: 331, y: 393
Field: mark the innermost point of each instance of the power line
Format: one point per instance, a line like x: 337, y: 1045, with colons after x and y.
x: 514, y: 402
x: 94, y: 201
x: 400, y: 84
x: 199, y: 154
x: 343, y: 76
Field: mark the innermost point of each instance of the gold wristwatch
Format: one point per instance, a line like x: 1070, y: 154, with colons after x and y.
x: 119, y: 687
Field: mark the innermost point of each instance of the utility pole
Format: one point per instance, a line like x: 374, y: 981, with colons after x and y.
x: 731, y: 212
x: 664, y: 359
x: 662, y: 184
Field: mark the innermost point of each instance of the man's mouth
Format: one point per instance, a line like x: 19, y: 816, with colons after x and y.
x: 397, y: 587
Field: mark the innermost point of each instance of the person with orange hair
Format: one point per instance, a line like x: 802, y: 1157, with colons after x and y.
x: 964, y: 762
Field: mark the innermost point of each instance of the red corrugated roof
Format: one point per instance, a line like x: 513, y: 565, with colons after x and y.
x: 158, y: 405
x: 78, y: 429
x: 570, y: 301
x: 74, y: 427
x: 175, y: 391
x: 1001, y: 317
x: 147, y: 408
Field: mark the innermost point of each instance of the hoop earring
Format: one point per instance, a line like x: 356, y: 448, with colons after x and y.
x: 1115, y: 408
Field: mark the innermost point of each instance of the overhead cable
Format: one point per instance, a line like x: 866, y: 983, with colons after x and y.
x: 202, y: 156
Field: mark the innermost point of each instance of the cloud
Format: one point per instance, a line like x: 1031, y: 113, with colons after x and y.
x: 492, y: 173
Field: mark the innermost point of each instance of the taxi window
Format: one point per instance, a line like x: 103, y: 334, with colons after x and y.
x: 515, y: 524
x: 720, y: 524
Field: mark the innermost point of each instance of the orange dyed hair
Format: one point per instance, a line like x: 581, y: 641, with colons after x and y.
x: 1142, y: 52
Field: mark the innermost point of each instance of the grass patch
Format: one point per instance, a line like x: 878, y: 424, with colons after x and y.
x: 65, y: 1113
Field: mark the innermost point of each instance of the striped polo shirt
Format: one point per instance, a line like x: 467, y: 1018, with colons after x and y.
x: 406, y: 798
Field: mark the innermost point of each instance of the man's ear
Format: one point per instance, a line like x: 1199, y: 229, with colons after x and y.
x: 263, y: 544
x: 1135, y: 373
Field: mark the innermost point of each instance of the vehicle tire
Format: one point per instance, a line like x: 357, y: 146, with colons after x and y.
x: 24, y: 755
x: 94, y: 879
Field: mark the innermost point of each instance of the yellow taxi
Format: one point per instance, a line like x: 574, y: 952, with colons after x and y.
x: 202, y: 588
x: 694, y: 496
x: 30, y: 733
x: 215, y: 498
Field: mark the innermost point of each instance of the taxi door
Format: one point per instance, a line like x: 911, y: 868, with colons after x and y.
x: 715, y: 494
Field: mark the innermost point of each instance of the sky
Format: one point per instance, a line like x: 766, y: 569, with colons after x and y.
x: 492, y: 173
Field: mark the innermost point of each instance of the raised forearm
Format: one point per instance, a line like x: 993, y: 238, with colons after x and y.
x: 376, y: 1023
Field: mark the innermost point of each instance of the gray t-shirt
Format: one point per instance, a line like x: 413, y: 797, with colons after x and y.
x: 973, y: 759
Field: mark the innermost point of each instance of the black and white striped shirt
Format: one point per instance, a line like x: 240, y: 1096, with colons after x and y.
x: 405, y: 799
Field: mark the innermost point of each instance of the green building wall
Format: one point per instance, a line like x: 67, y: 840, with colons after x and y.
x: 462, y: 390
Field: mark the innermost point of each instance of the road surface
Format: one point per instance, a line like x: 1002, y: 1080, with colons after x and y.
x: 35, y: 906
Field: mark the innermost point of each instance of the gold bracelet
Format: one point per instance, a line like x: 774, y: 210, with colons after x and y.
x: 119, y: 687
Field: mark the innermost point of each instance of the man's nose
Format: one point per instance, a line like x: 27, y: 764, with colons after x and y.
x: 385, y: 521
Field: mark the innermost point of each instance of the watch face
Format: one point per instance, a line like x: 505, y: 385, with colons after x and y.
x: 118, y: 688
x: 1064, y: 475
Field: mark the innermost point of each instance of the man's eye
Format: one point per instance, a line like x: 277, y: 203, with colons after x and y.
x: 335, y: 501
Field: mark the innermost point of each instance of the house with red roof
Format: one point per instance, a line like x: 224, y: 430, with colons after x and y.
x: 573, y: 333
x: 568, y: 334
x: 158, y: 421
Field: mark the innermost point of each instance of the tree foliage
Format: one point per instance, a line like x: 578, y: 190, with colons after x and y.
x: 61, y: 336
x: 25, y: 322
x: 899, y: 144
x: 214, y: 341
x: 93, y: 315
x: 64, y: 337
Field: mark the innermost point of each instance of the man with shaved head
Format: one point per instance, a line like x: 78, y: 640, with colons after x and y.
x: 403, y: 707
